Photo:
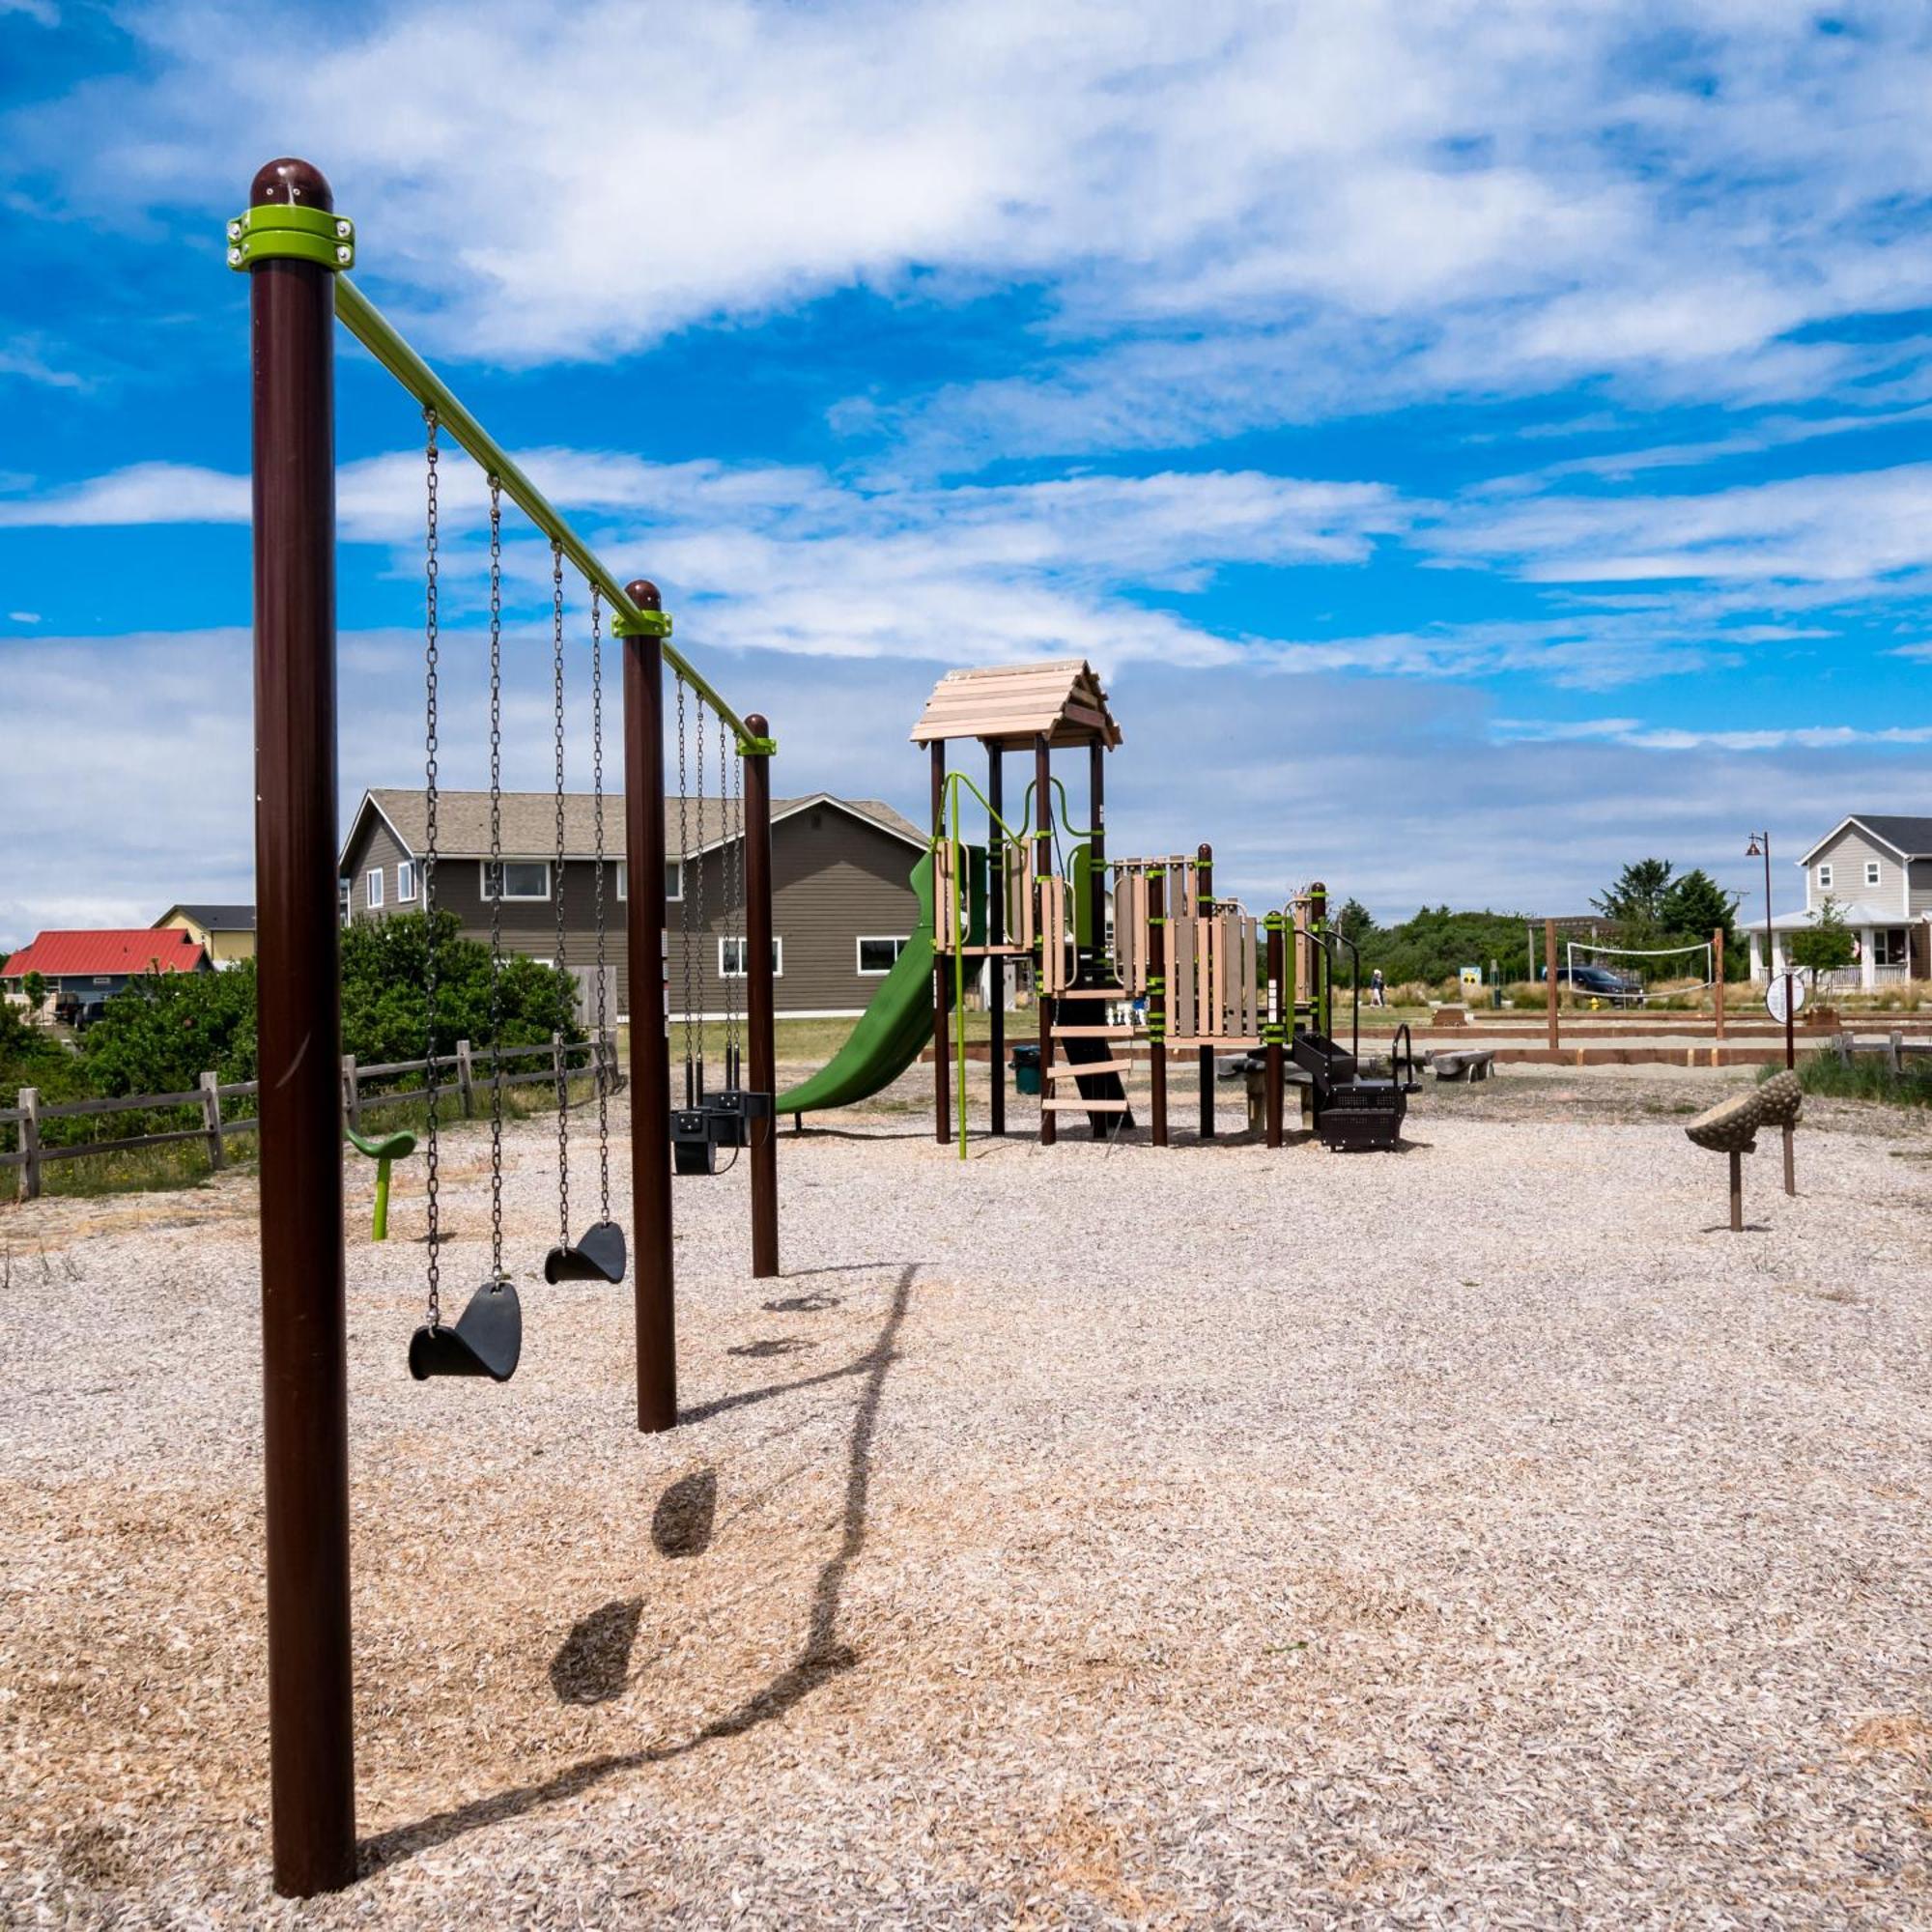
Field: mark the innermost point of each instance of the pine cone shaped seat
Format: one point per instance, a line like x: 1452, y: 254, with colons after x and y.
x: 1731, y: 1125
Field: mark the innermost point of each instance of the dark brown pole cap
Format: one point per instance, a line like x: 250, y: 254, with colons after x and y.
x: 298, y: 183
x: 644, y: 593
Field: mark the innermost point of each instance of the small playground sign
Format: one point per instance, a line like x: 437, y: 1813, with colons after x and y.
x: 1774, y: 996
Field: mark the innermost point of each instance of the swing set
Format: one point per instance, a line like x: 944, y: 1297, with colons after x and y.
x: 295, y: 249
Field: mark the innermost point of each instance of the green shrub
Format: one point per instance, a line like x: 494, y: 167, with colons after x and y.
x: 1867, y: 1076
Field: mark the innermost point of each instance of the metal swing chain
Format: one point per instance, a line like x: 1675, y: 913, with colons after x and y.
x: 597, y: 818
x: 431, y: 1154
x: 698, y: 901
x: 557, y: 887
x: 730, y: 832
x: 497, y: 878
x: 684, y: 893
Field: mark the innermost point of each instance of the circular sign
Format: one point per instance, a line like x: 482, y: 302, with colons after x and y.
x: 1774, y: 996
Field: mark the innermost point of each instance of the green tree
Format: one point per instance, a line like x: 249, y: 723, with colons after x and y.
x: 1436, y: 943
x: 1355, y: 921
x: 1825, y: 945
x: 1636, y: 902
x: 1695, y: 906
x: 385, y: 968
x: 35, y: 987
x: 164, y: 1029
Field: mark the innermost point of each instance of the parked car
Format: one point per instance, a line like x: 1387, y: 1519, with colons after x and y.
x: 1601, y: 982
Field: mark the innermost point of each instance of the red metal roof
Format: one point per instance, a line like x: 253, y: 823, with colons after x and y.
x: 140, y: 948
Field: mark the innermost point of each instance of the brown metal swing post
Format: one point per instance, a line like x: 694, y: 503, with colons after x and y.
x: 942, y: 1045
x: 653, y: 1283
x: 1157, y: 951
x: 304, y: 1352
x: 1042, y: 866
x: 762, y: 1131
x: 996, y: 930
x: 1204, y: 904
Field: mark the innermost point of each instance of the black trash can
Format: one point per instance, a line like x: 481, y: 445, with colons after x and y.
x: 1026, y: 1067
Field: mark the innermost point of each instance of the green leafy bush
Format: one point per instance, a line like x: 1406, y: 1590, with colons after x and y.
x: 385, y: 967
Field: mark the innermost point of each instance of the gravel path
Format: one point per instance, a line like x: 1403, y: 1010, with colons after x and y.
x: 1077, y: 1537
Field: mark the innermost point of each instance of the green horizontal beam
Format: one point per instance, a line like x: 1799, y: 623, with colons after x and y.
x: 368, y: 325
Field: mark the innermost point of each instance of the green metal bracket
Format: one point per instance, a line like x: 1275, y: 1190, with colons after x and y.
x: 275, y: 230
x: 640, y: 624
x: 1274, y: 921
x: 757, y: 748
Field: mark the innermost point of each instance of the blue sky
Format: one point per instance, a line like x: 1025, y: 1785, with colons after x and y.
x: 1479, y: 444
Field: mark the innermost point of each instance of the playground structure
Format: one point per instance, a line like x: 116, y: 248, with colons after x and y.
x: 1129, y: 958
x: 296, y: 250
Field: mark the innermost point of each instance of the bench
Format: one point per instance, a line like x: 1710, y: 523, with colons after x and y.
x: 1468, y: 1063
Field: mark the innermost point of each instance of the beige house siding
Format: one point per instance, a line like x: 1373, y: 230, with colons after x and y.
x: 1919, y: 888
x: 834, y: 877
x: 1848, y: 855
x: 225, y: 948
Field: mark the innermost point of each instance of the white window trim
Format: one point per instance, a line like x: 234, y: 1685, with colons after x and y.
x: 405, y: 877
x: 900, y: 940
x: 1872, y: 870
x: 733, y: 939
x: 1825, y: 876
x: 672, y: 865
x: 372, y: 887
x: 513, y: 899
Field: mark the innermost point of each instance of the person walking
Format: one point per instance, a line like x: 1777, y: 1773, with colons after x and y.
x: 1378, y: 989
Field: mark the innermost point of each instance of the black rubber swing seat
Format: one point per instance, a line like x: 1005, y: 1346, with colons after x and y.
x: 487, y: 1340
x: 598, y: 1257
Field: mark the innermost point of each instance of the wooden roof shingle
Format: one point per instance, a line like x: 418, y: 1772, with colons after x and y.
x: 1013, y: 704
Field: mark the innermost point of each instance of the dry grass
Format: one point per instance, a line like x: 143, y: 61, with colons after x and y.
x: 1090, y: 1536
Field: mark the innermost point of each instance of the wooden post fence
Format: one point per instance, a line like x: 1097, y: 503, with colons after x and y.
x: 211, y: 1114
x: 1550, y: 976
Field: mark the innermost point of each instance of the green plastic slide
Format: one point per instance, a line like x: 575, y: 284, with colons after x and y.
x: 894, y: 1029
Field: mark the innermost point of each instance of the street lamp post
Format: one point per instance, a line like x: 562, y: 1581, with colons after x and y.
x: 1760, y: 843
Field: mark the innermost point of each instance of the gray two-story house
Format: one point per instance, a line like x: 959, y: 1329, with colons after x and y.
x: 1876, y: 868
x: 842, y: 906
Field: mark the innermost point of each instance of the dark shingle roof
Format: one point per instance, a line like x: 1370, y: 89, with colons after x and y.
x: 1911, y: 835
x: 529, y: 822
x: 217, y: 918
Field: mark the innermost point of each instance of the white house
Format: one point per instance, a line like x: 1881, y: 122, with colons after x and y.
x: 1876, y: 868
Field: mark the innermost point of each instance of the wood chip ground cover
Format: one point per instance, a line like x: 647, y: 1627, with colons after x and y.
x: 1087, y: 1536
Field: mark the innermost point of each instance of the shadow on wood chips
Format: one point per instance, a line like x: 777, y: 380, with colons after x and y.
x: 592, y: 1664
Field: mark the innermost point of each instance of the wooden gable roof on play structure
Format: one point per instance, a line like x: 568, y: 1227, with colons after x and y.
x: 1013, y: 704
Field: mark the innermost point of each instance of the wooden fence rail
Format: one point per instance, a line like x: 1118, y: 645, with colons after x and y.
x: 1894, y: 1046
x: 477, y: 1073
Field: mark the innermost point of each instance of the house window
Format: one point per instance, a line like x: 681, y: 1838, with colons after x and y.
x: 732, y: 956
x: 374, y: 884
x: 876, y: 956
x: 1824, y: 878
x: 523, y: 879
x: 1871, y: 871
x: 343, y: 893
x: 673, y: 881
x: 1888, y: 945
x: 406, y: 882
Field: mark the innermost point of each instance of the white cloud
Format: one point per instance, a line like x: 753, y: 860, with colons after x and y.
x: 1840, y: 529
x: 1235, y: 214
x: 1417, y: 797
x: 789, y: 557
x: 1634, y: 732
